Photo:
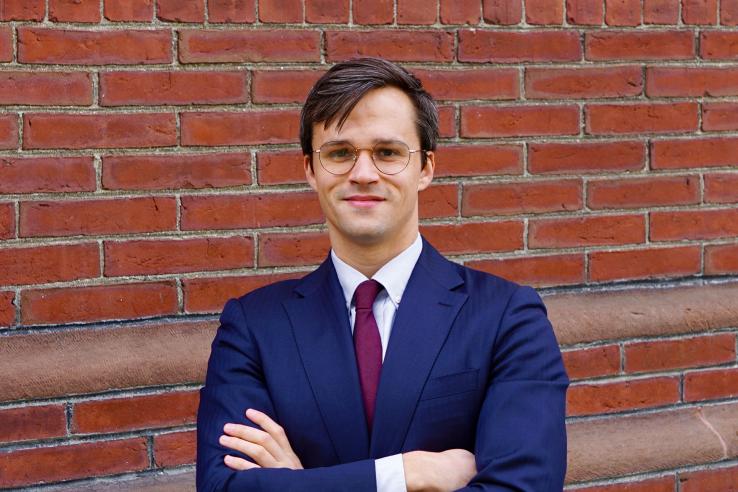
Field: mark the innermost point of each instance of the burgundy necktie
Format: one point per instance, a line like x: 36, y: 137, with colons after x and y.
x: 367, y: 345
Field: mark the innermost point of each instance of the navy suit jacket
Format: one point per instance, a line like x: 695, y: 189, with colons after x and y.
x: 472, y: 363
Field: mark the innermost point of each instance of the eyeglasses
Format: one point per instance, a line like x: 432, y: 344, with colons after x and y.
x: 388, y: 157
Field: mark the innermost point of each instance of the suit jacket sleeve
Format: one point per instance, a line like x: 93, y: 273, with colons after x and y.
x: 521, y: 435
x: 235, y: 382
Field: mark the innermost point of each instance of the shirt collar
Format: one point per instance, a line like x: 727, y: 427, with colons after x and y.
x: 393, y: 275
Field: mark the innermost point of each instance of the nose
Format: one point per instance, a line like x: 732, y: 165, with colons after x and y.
x: 364, y: 170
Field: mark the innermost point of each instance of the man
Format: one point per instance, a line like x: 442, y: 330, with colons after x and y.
x: 389, y: 367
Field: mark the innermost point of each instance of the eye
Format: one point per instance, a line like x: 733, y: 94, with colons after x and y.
x: 341, y: 153
x: 388, y: 152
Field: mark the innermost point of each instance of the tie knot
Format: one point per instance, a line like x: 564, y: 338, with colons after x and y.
x: 366, y: 293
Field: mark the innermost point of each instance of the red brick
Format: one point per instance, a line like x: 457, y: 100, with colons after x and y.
x: 705, y: 152
x: 545, y: 12
x: 46, y: 174
x: 135, y: 412
x: 74, y: 10
x: 45, y: 88
x: 416, y: 12
x: 679, y: 354
x: 660, y: 12
x: 721, y: 188
x: 104, y: 216
x: 522, y: 198
x: 174, y: 449
x: 6, y: 44
x: 8, y: 131
x: 327, y: 11
x: 516, y: 47
x: 460, y: 85
x: 401, y: 45
x: 591, y: 399
x: 155, y: 88
x: 373, y: 11
x: 479, y: 237
x: 44, y: 264
x: 460, y: 11
x: 235, y: 11
x: 32, y: 422
x: 568, y: 83
x: 439, y: 201
x: 699, y: 11
x: 592, y: 362
x: 729, y: 12
x: 276, y: 45
x: 90, y: 459
x: 283, y: 86
x: 120, y: 47
x: 719, y: 45
x: 639, y: 45
x: 160, y: 172
x: 309, y: 248
x: 280, y: 11
x: 538, y: 271
x: 181, y: 10
x: 446, y: 121
x: 32, y: 10
x: 105, y: 131
x: 7, y: 308
x: 724, y: 479
x: 622, y: 12
x: 694, y: 224
x: 643, y: 192
x: 246, y: 211
x: 504, y: 12
x: 710, y: 385
x: 177, y: 256
x: 691, y: 81
x: 128, y: 10
x: 721, y: 259
x: 584, y: 12
x: 609, y: 119
x: 585, y: 157
x: 719, y: 116
x: 587, y: 231
x: 608, y: 266
x: 242, y: 128
x: 475, y: 160
x: 7, y: 220
x: 98, y: 303
x: 280, y: 167
x: 661, y: 484
x: 208, y: 295
x: 518, y: 121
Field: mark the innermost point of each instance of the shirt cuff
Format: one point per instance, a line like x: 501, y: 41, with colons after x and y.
x: 390, y: 474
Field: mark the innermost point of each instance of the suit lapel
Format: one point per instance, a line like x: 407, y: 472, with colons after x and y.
x: 321, y: 327
x: 426, y: 312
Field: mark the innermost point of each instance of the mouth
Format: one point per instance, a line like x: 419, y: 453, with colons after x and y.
x: 364, y: 201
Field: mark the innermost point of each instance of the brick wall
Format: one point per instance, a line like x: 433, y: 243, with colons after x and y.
x: 149, y: 170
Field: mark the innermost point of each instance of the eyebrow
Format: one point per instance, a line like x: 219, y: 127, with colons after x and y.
x: 374, y: 142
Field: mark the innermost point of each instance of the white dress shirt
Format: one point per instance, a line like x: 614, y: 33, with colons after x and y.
x: 393, y: 276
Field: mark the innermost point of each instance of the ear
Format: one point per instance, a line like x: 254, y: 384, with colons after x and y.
x: 309, y: 172
x: 426, y: 173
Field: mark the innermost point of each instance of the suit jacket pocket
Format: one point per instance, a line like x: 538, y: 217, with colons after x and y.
x: 450, y: 384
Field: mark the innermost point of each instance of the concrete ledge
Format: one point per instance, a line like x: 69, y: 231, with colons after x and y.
x: 165, y: 482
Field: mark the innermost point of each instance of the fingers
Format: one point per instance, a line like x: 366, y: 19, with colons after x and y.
x: 255, y: 443
x: 271, y: 427
x: 239, y: 463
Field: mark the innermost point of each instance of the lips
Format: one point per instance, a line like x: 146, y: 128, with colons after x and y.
x: 364, y: 200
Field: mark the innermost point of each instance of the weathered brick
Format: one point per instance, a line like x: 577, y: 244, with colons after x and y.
x: 592, y: 362
x: 398, y: 45
x: 447, y: 121
x: 586, y: 231
x: 721, y: 259
x: 46, y: 174
x: 699, y: 152
x: 721, y: 188
x: 86, y: 131
x: 586, y: 157
x: 538, y: 271
x: 694, y: 224
x: 308, y: 248
x: 460, y: 85
x: 611, y: 119
x: 68, y: 462
x: 89, y: 217
x: 44, y: 264
x: 720, y: 116
x: 661, y: 484
x: 710, y: 479
x: 278, y: 45
x: 473, y: 160
x: 283, y: 86
x: 74, y: 11
x: 7, y: 220
x: 699, y: 11
x: 719, y: 45
x: 471, y: 237
x: 7, y: 308
x: 19, y: 10
x: 518, y: 121
x: 729, y: 12
x: 8, y: 131
x: 711, y: 384
x: 242, y: 128
x: 177, y: 256
x: 664, y: 355
x: 546, y: 12
x: 584, y: 12
x: 415, y: 12
x: 622, y: 12
x: 516, y: 47
x: 175, y: 448
x: 608, y: 266
x: 576, y: 83
x: 128, y: 10
x: 155, y: 88
x: 373, y: 11
x: 643, y: 192
x: 208, y: 295
x: 504, y: 12
x: 32, y: 422
x: 660, y: 12
x: 327, y: 11
x: 460, y: 12
x: 235, y: 11
x: 6, y: 44
x: 521, y: 198
x: 97, y: 303
x: 45, y: 88
x: 181, y: 10
x: 120, y: 47
x: 591, y: 399
x: 691, y: 81
x: 439, y: 200
x: 280, y: 167
x: 638, y: 45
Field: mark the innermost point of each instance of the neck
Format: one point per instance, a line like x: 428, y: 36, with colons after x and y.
x: 368, y: 258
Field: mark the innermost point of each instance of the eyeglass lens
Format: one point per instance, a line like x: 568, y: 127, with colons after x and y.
x: 339, y: 157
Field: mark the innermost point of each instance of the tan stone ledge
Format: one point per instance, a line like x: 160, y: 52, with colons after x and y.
x: 171, y: 481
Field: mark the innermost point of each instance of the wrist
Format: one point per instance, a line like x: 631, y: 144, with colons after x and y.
x: 415, y: 479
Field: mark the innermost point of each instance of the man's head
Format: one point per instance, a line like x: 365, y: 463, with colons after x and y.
x: 368, y: 132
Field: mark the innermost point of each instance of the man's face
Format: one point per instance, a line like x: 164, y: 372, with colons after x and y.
x: 365, y: 206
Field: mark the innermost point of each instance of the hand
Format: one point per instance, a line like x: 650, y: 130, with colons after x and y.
x: 448, y: 470
x: 269, y: 447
